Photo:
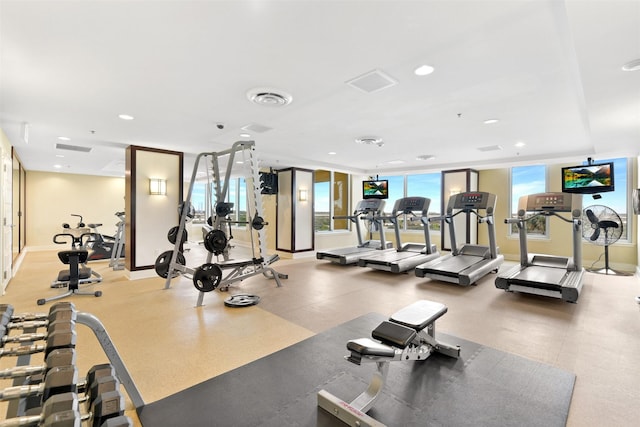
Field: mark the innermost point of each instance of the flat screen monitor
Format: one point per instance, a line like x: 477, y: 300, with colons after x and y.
x: 378, y: 189
x: 588, y: 179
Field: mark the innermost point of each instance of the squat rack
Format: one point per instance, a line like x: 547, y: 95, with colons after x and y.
x: 210, y: 276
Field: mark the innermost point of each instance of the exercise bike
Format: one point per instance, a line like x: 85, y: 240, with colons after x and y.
x: 101, y: 246
x: 76, y: 257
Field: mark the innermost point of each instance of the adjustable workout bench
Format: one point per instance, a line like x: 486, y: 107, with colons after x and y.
x: 409, y: 334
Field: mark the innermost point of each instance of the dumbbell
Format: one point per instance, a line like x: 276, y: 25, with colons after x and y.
x: 58, y: 312
x: 25, y: 317
x: 63, y: 379
x: 56, y: 326
x: 99, y: 379
x: 55, y: 340
x: 63, y: 410
x: 57, y: 357
x: 60, y: 379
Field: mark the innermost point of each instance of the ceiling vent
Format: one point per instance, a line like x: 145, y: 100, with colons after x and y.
x: 254, y: 127
x: 372, y: 82
x: 269, y: 97
x: 426, y: 157
x: 370, y: 140
x: 490, y: 148
x: 73, y: 148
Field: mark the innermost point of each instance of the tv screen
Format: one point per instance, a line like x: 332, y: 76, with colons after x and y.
x: 378, y: 189
x: 588, y: 179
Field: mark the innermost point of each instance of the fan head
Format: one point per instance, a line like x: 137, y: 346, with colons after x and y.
x: 601, y: 225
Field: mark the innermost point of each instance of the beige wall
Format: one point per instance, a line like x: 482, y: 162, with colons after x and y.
x: 52, y: 197
x: 623, y: 256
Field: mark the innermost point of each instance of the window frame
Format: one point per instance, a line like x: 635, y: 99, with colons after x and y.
x: 331, y: 199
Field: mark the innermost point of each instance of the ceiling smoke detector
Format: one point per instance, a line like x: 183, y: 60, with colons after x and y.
x: 269, y: 97
x: 370, y: 140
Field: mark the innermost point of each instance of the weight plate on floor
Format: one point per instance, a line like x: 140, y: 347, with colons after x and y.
x: 241, y: 300
x: 173, y: 234
x: 215, y: 241
x: 207, y: 277
x: 164, y: 260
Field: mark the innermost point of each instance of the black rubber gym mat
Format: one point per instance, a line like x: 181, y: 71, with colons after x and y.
x: 484, y: 387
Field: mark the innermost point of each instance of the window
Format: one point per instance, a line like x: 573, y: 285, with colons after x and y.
x: 528, y: 180
x: 420, y: 185
x: 426, y: 185
x: 199, y: 202
x: 331, y: 198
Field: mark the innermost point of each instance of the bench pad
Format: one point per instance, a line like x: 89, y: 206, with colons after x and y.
x: 369, y: 347
x: 393, y: 334
x: 419, y: 315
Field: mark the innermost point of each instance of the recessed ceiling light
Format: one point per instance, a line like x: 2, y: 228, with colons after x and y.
x: 395, y: 162
x: 125, y: 117
x: 632, y: 65
x: 491, y: 121
x: 332, y: 153
x: 64, y: 138
x: 239, y: 162
x: 520, y: 144
x: 245, y: 135
x: 57, y: 166
x: 426, y: 157
x: 424, y: 70
x: 59, y: 155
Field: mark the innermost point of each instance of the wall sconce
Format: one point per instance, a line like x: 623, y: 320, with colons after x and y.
x: 157, y: 186
x: 303, y: 195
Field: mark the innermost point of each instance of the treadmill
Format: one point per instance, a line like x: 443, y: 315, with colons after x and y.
x: 405, y: 256
x: 468, y: 263
x: 367, y: 210
x: 548, y: 275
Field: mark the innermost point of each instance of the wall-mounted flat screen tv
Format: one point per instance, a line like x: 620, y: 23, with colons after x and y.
x: 378, y: 189
x: 588, y: 179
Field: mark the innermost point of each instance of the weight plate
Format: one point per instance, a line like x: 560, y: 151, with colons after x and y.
x: 258, y: 223
x: 207, y: 277
x: 173, y: 234
x: 215, y: 241
x: 223, y: 209
x: 241, y: 300
x: 164, y: 260
x: 191, y: 211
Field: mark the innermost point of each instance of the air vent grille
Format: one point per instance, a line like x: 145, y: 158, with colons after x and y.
x: 73, y: 148
x: 490, y: 148
x: 372, y: 82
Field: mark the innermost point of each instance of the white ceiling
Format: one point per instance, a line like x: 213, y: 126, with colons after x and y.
x: 549, y: 70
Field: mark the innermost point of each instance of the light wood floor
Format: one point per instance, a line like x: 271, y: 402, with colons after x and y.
x: 168, y: 344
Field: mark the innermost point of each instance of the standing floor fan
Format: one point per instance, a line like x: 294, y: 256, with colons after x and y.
x: 602, y: 226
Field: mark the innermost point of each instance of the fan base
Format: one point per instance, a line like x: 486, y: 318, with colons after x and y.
x: 610, y: 271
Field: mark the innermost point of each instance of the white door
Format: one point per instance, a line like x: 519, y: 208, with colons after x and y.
x: 6, y: 218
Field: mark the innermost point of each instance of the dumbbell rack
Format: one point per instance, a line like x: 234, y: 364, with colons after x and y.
x: 16, y: 408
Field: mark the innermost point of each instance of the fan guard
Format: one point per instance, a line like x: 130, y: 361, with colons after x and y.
x: 602, y: 226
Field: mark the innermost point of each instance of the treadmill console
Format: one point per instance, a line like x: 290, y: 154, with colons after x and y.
x: 546, y: 202
x: 370, y: 205
x: 412, y: 204
x: 473, y: 200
